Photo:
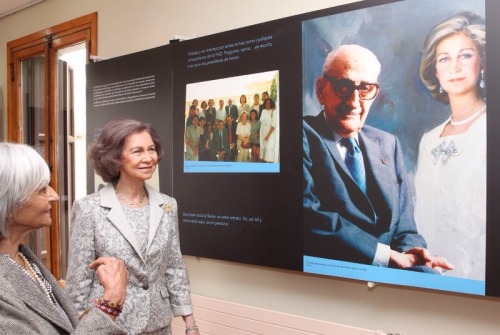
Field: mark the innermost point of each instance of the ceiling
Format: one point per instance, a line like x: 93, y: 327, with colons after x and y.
x: 8, y: 7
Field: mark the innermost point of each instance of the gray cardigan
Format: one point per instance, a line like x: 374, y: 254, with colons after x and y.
x: 24, y: 308
x: 158, y: 284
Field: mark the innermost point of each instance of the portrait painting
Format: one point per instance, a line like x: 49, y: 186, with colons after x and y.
x: 414, y: 76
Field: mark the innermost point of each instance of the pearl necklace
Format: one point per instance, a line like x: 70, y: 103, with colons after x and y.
x: 34, y: 274
x: 131, y: 203
x: 470, y: 118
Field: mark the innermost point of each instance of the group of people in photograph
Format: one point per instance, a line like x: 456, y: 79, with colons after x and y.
x: 233, y: 133
x: 358, y: 203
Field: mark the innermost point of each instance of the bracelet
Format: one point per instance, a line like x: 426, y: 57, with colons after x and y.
x: 190, y: 329
x: 108, y: 306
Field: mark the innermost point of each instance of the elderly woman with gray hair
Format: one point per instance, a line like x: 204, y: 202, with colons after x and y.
x: 31, y: 300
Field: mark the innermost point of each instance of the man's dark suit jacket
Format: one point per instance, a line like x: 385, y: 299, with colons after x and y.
x: 340, y: 221
x: 233, y: 111
x: 221, y: 144
x: 210, y: 115
x: 233, y: 139
x: 234, y: 125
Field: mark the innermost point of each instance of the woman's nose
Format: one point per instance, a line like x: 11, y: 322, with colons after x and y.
x: 147, y: 157
x: 52, y: 194
x: 456, y: 66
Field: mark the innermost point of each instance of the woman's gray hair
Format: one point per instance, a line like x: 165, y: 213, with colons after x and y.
x: 22, y: 172
x: 470, y: 24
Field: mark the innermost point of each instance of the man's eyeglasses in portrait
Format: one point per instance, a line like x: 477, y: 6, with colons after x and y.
x: 343, y: 88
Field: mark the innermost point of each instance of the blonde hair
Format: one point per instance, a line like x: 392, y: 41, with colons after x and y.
x: 467, y: 23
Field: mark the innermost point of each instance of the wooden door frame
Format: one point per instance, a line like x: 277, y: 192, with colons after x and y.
x: 46, y: 42
x: 86, y: 24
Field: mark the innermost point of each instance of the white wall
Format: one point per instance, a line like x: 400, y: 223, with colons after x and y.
x: 127, y: 26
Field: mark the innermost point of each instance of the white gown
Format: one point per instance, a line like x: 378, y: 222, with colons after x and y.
x: 269, y: 150
x: 450, y: 208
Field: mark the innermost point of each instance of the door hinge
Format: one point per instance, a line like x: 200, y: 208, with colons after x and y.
x: 49, y: 39
x: 89, y: 48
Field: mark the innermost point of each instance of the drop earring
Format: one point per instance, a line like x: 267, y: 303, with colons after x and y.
x: 482, y: 84
x: 440, y: 89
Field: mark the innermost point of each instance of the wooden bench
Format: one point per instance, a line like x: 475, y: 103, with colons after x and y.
x: 218, y: 317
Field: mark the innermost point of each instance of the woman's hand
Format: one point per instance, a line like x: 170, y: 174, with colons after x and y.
x: 113, y: 276
x: 191, y: 328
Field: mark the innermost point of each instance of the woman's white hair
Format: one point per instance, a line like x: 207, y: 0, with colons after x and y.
x: 22, y: 172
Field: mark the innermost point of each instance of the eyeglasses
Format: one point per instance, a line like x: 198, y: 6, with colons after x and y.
x: 343, y: 88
